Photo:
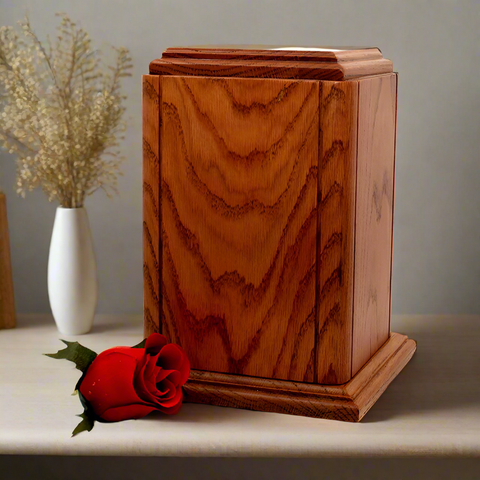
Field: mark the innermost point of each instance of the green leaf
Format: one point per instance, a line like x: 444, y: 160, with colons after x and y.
x: 86, y: 424
x: 141, y: 344
x: 76, y: 353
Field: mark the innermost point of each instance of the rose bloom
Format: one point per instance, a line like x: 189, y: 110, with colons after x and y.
x: 126, y: 382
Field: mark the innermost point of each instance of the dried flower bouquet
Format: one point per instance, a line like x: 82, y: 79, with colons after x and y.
x: 61, y: 112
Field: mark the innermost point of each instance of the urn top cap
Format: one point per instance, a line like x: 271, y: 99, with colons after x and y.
x: 272, y: 61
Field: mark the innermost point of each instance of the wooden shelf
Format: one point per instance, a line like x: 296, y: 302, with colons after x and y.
x: 431, y: 408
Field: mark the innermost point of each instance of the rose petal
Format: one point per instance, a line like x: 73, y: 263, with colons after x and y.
x: 141, y: 363
x: 117, y: 414
x: 171, y: 357
x: 156, y: 371
x: 162, y: 374
x: 160, y: 390
x: 151, y: 386
x: 152, y: 367
x: 149, y: 374
x: 174, y: 400
x: 109, y: 381
x: 147, y: 382
x: 136, y: 353
x: 172, y: 410
x: 175, y: 376
x: 143, y: 388
x: 155, y: 342
x: 166, y: 389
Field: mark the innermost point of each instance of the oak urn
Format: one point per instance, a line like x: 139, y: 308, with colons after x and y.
x: 268, y: 186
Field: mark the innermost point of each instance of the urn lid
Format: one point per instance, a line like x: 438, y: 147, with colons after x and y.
x: 272, y: 61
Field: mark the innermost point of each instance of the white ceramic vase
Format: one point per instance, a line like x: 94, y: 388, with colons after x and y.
x: 72, y: 272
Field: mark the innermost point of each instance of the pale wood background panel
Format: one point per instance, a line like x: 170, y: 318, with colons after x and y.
x: 238, y: 213
x: 7, y: 301
x: 336, y: 210
x: 374, y: 216
x: 151, y: 203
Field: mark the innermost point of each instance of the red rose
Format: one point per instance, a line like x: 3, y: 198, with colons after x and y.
x: 125, y: 382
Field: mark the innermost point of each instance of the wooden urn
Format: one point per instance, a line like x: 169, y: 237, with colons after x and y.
x: 268, y: 186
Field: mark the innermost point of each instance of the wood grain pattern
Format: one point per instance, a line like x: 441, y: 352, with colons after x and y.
x: 290, y: 69
x: 349, y: 402
x: 238, y: 223
x: 374, y: 216
x: 151, y: 203
x: 335, y: 237
x: 7, y: 301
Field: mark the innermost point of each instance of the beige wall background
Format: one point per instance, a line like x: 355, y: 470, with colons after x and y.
x: 435, y: 47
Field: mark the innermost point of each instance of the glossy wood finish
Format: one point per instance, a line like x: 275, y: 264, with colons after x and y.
x: 7, y: 301
x: 374, y: 216
x: 349, y: 402
x: 151, y: 203
x: 335, y: 237
x: 272, y: 62
x: 239, y: 223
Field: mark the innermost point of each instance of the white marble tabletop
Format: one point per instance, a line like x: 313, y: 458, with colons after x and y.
x: 432, y: 408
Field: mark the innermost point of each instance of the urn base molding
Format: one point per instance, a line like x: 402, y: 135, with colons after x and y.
x: 348, y: 402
